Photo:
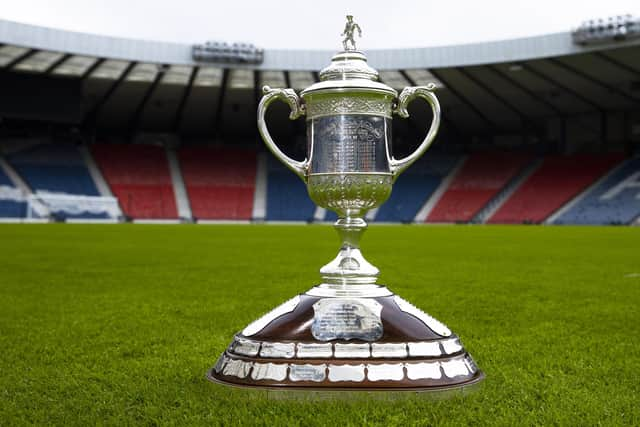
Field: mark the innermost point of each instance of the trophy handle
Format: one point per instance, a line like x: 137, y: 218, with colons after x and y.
x: 297, y: 109
x: 406, y: 96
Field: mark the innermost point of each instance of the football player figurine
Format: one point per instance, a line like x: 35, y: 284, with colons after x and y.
x: 349, y: 29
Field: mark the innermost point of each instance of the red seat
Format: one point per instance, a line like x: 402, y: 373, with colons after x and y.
x: 481, y: 177
x: 146, y: 201
x: 554, y: 183
x: 220, y: 182
x: 139, y: 177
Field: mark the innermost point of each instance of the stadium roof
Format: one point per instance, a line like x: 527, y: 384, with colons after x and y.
x: 485, y: 87
x: 50, y: 39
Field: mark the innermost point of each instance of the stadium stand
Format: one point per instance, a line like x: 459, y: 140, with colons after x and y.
x: 58, y: 170
x: 415, y: 186
x: 330, y: 216
x: 556, y: 94
x: 287, y: 198
x: 554, y: 183
x: 12, y: 204
x: 481, y: 177
x: 614, y: 200
x: 220, y: 182
x: 139, y: 177
x: 505, y: 193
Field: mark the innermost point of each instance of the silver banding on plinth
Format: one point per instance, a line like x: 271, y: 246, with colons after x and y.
x: 453, y: 368
x: 352, y: 351
x: 443, y: 347
x: 314, y: 350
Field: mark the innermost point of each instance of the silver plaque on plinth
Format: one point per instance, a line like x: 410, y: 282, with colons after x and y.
x: 348, y: 332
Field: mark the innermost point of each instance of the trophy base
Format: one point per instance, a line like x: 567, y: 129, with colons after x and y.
x: 302, y: 393
x: 335, y: 339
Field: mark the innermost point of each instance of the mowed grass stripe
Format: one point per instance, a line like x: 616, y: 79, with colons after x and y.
x: 118, y: 323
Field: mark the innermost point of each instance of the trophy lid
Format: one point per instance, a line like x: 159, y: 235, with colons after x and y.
x: 349, y: 70
x: 350, y: 64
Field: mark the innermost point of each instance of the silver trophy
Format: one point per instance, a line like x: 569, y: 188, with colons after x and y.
x: 348, y: 332
x: 349, y: 167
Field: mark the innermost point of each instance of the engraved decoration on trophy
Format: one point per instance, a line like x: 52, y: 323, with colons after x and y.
x: 348, y: 332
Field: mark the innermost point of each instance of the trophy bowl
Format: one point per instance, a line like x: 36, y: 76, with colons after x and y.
x: 348, y: 332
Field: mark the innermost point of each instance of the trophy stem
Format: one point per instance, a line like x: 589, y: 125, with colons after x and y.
x: 350, y: 267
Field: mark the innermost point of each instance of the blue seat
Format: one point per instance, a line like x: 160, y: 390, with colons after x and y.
x: 12, y: 209
x: 58, y: 168
x: 58, y: 179
x: 330, y: 216
x: 606, y: 204
x: 287, y: 198
x: 9, y: 207
x: 414, y: 187
x: 407, y: 197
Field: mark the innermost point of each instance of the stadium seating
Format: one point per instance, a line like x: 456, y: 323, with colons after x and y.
x: 481, y: 177
x: 415, y: 186
x: 57, y: 168
x: 139, y: 177
x: 615, y: 200
x: 554, y: 183
x: 220, y: 182
x: 12, y: 204
x: 287, y: 198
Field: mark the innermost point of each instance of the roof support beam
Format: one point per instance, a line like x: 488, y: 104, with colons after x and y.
x: 563, y: 135
x: 628, y: 144
x: 183, y: 100
x: 56, y: 63
x: 525, y: 89
x: 286, y: 79
x: 135, y: 119
x: 594, y: 80
x: 223, y: 92
x: 604, y: 129
x: 445, y: 119
x: 617, y: 63
x: 90, y: 117
x: 556, y: 83
x: 465, y: 100
x: 256, y: 101
x: 19, y: 59
x: 523, y: 117
x: 91, y: 69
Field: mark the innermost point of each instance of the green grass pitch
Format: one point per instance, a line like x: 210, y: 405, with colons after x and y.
x: 117, y: 324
